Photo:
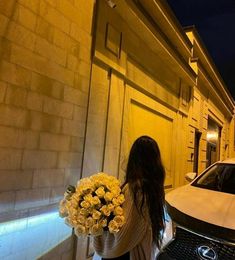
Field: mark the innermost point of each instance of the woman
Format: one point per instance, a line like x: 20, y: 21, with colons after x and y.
x: 143, y: 208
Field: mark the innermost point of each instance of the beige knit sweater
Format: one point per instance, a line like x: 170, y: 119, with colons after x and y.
x: 135, y: 236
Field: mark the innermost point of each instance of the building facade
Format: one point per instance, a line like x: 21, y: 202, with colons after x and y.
x: 80, y: 81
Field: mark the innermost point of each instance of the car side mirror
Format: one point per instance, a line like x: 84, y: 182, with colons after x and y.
x: 190, y: 176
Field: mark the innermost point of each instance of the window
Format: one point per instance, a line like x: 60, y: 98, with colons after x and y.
x: 220, y: 177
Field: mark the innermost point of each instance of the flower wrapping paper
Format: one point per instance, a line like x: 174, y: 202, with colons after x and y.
x: 94, y: 205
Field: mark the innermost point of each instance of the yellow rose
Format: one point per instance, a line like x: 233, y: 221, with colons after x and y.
x: 88, y: 198
x: 67, y: 222
x: 118, y: 211
x: 72, y: 222
x: 85, y: 204
x: 103, y: 222
x: 108, y: 196
x: 110, y: 207
x: 105, y: 210
x: 113, y: 226
x: 62, y: 208
x: 76, y: 196
x: 120, y: 220
x: 74, y: 203
x: 81, y: 219
x: 96, y: 214
x: 80, y: 230
x: 115, y: 202
x: 121, y: 198
x: 116, y: 191
x: 84, y: 212
x: 100, y: 192
x: 95, y: 200
x: 89, y: 222
x: 72, y: 213
x: 96, y: 230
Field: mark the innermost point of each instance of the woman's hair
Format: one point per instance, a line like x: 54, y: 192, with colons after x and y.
x: 145, y: 175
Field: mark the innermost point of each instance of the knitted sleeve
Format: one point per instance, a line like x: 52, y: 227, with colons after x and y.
x: 130, y: 235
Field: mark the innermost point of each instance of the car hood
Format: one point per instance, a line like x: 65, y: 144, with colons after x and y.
x: 213, y: 207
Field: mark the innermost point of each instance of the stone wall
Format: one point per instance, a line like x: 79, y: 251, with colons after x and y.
x: 45, y: 48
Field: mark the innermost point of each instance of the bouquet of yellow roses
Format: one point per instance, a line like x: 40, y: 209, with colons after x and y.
x: 94, y: 205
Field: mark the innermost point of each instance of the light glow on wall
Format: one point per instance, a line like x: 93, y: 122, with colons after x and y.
x: 21, y: 224
x: 212, y: 136
x: 32, y: 237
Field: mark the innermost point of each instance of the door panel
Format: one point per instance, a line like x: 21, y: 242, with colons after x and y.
x: 145, y: 116
x: 96, y: 121
x: 114, y: 125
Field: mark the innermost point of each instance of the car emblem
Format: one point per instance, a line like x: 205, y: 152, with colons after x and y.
x: 206, y: 253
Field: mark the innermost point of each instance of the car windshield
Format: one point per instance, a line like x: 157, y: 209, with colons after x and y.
x: 220, y: 177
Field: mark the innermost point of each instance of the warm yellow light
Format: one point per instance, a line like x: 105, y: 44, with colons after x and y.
x: 212, y: 136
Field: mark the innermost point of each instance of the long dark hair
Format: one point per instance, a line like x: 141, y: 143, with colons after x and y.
x: 145, y: 175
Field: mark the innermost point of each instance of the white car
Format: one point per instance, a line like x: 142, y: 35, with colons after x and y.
x: 203, y: 216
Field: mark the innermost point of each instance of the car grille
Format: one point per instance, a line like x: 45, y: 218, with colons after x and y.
x: 185, y: 244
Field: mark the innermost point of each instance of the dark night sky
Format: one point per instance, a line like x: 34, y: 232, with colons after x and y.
x: 215, y: 23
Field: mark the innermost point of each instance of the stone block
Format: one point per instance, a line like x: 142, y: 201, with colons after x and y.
x: 72, y: 176
x: 53, y: 3
x: 12, y: 116
x: 15, y: 74
x: 87, y: 4
x: 77, y: 144
x: 12, y: 137
x: 7, y: 7
x: 54, y: 17
x: 58, y: 108
x: 15, y: 180
x: 31, y: 139
x: 21, y: 35
x: 85, y: 53
x: 34, y: 101
x: 47, y: 86
x: 38, y: 159
x: 54, y: 142
x: 81, y: 82
x: 61, y: 39
x: 42, y: 65
x: 26, y: 199
x: 45, y: 29
x: 3, y: 87
x: 7, y: 201
x: 81, y: 36
x: 74, y: 48
x: 50, y: 51
x: 72, y: 62
x: 79, y: 113
x: 5, y: 50
x: 10, y: 158
x: 84, y: 21
x: 44, y: 122
x: 32, y: 5
x: 69, y: 160
x: 3, y: 24
x: 26, y: 17
x: 48, y: 178
x: 70, y: 11
x: 84, y: 68
x: 16, y: 96
x: 57, y: 194
x: 75, y: 96
x: 73, y: 128
x: 42, y: 210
